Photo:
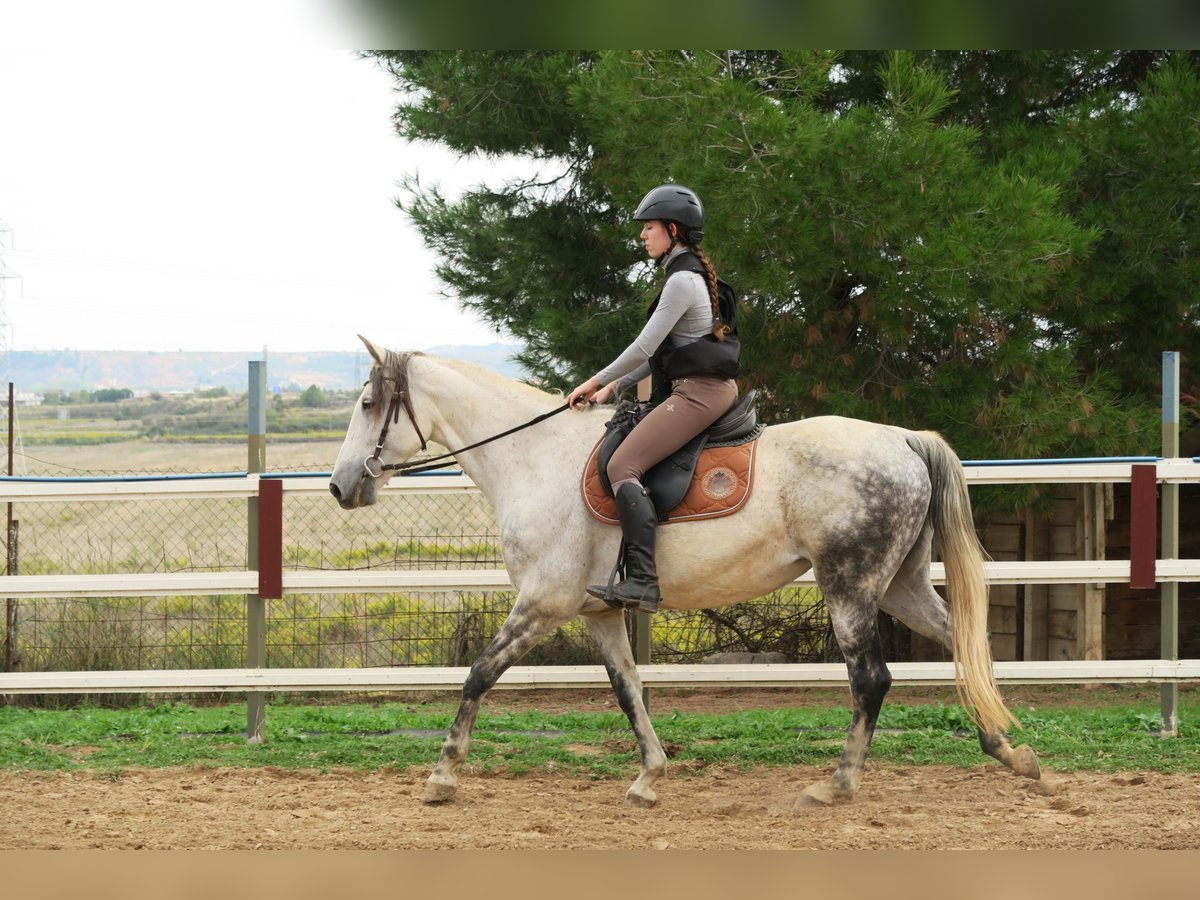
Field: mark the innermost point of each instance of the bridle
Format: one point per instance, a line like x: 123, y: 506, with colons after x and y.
x: 374, y: 467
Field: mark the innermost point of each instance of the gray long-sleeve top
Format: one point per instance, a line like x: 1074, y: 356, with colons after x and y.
x: 683, y: 314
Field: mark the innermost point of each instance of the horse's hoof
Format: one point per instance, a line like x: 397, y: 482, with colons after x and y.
x: 819, y: 796
x: 1025, y: 762
x: 439, y: 788
x: 643, y: 799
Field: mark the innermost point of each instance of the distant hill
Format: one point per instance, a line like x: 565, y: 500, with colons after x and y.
x: 71, y: 370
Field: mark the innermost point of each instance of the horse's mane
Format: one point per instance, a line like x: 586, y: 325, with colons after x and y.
x: 394, y: 370
x: 476, y: 372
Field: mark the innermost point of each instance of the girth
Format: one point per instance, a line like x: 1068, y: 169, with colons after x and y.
x: 668, y: 481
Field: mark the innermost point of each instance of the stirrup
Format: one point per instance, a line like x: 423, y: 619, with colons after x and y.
x: 607, y: 592
x: 608, y: 595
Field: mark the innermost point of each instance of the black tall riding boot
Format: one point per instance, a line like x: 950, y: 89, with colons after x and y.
x: 639, y: 522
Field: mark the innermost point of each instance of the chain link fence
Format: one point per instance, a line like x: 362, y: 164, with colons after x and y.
x: 402, y: 532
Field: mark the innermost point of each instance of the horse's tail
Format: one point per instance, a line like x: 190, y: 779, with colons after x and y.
x: 966, y: 588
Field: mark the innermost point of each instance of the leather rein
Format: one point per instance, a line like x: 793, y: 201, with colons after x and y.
x: 374, y: 467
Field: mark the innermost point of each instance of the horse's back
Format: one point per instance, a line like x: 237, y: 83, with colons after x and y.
x: 847, y: 489
x: 841, y: 445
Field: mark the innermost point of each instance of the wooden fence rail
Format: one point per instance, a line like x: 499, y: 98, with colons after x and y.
x: 444, y: 678
x: 272, y: 581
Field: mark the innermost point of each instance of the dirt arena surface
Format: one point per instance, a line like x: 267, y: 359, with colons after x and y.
x: 718, y: 807
x: 933, y: 807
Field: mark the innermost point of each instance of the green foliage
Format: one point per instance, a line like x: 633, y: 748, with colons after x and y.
x: 384, y: 552
x: 995, y: 245
x: 347, y: 630
x: 313, y: 397
x: 352, y: 630
x: 66, y: 398
x: 104, y: 635
x: 792, y: 621
x: 75, y: 438
x: 211, y: 415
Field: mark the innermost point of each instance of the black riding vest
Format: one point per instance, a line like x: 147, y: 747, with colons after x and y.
x: 703, y: 356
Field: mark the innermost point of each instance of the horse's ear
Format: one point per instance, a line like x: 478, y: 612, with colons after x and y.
x: 375, y: 353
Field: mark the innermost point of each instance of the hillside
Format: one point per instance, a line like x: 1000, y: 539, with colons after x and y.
x: 70, y: 370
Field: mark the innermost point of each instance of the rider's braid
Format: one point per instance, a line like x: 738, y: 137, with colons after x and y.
x: 719, y: 329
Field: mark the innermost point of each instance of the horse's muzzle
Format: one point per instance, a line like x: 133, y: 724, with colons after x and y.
x: 343, y: 502
x: 353, y: 491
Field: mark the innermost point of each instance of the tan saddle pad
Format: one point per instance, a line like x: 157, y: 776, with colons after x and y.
x: 722, y: 483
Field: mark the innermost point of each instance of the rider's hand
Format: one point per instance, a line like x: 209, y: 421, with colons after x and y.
x: 578, y: 398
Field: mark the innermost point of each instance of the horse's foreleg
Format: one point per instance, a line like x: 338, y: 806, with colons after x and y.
x: 858, y: 636
x: 608, y: 630
x: 521, y: 632
x: 912, y: 600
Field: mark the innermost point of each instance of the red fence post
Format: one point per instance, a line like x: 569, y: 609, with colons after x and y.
x: 270, y: 538
x: 1143, y: 526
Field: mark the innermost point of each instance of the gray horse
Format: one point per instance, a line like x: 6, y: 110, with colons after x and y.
x: 858, y: 503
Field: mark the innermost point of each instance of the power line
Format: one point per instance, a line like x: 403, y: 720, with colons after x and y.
x: 6, y: 275
x: 203, y: 272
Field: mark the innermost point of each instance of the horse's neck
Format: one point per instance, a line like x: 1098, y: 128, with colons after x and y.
x: 466, y: 409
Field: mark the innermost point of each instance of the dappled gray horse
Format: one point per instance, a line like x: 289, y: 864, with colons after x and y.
x: 858, y: 503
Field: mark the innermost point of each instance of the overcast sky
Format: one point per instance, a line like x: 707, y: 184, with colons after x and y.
x: 216, y: 176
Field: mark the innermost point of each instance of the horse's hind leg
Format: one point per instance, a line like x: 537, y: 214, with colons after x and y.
x: 857, y: 632
x: 522, y: 631
x: 608, y: 630
x: 912, y: 599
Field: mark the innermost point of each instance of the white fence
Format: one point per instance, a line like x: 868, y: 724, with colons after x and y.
x: 1177, y: 471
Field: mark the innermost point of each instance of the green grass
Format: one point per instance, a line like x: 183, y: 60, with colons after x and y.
x: 594, y: 744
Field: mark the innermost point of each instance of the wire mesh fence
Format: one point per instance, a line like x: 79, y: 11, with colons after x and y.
x: 405, y: 531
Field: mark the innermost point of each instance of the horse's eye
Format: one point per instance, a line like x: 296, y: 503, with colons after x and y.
x: 366, y: 403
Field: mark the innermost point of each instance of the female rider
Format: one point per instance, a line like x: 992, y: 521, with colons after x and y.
x: 683, y: 347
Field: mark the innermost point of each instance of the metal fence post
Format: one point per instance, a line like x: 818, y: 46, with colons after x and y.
x: 641, y: 624
x: 12, y: 658
x: 12, y: 567
x: 256, y: 612
x: 1169, y: 637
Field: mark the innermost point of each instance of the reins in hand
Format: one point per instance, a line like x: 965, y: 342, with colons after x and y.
x: 375, y: 468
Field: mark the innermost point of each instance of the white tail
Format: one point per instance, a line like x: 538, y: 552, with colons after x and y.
x: 966, y: 588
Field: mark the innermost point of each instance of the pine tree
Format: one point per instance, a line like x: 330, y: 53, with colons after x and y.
x: 993, y: 245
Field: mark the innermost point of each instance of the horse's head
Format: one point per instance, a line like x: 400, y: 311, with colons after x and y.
x: 383, y: 429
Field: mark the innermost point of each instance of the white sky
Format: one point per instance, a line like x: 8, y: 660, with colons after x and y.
x: 215, y: 176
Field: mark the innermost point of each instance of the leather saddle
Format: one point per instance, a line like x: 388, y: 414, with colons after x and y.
x: 668, y: 481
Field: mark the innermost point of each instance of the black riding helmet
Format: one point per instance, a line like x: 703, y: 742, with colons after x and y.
x: 674, y: 203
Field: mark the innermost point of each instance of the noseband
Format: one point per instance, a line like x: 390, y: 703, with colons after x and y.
x: 374, y: 467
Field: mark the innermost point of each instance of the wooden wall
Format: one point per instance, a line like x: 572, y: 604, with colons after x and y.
x: 1050, y: 621
x: 1133, y: 617
x: 1091, y: 621
x: 1004, y: 539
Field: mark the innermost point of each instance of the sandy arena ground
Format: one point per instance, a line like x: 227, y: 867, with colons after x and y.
x: 898, y: 807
